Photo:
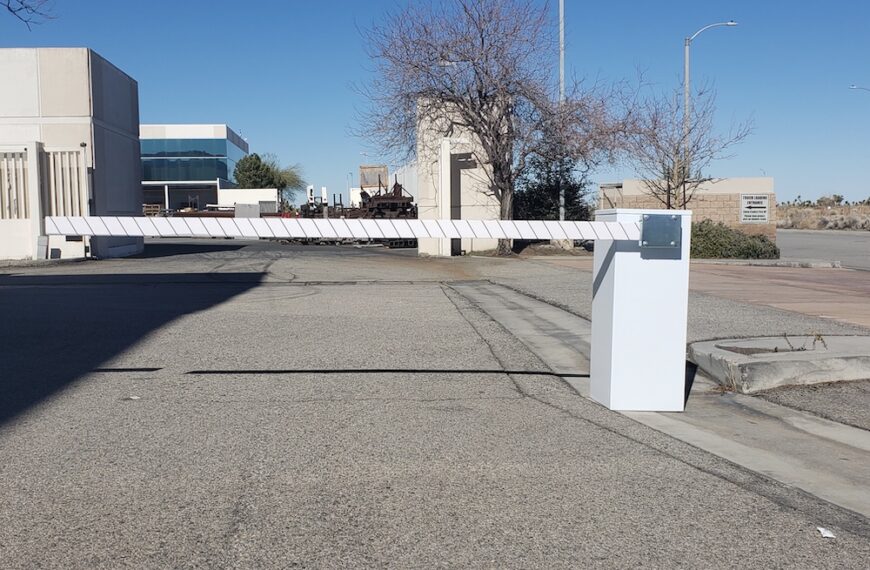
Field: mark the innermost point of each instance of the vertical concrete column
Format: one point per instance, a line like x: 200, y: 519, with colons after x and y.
x: 639, y: 313
x: 444, y: 198
x: 34, y: 200
x: 166, y: 196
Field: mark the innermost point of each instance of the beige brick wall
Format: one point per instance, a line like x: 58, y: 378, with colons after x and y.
x: 717, y: 207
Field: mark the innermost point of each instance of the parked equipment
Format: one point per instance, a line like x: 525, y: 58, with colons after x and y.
x: 378, y: 203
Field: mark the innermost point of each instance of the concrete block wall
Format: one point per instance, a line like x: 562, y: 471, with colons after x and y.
x: 719, y: 201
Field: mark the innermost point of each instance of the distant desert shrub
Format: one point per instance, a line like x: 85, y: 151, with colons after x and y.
x: 844, y: 222
x: 711, y: 240
x: 826, y: 213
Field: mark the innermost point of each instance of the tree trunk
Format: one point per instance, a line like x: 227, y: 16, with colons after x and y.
x: 506, y: 213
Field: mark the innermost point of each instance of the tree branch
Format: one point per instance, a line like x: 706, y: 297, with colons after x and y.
x: 30, y: 12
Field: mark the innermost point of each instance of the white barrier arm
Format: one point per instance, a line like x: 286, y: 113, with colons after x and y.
x: 334, y: 228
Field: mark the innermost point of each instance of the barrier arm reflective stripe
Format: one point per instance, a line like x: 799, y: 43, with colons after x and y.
x: 207, y: 227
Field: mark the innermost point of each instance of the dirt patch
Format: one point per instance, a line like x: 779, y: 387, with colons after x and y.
x: 751, y: 351
x: 816, y: 339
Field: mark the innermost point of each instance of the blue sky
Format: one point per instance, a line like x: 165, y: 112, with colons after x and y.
x: 282, y: 72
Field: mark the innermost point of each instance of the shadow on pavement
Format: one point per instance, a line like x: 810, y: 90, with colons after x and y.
x: 56, y: 328
x: 691, y: 371
x: 378, y: 371
x: 169, y: 249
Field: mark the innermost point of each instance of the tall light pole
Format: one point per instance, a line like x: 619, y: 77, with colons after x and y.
x: 561, y: 91
x: 687, y: 97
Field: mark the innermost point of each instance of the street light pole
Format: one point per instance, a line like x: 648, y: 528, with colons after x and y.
x: 687, y: 101
x: 561, y: 92
x: 561, y: 50
x: 686, y: 93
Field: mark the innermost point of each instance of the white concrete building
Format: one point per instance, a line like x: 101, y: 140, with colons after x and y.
x: 184, y: 165
x: 69, y: 145
x: 451, y: 183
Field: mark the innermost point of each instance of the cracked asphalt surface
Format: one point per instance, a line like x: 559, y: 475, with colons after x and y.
x: 272, y: 406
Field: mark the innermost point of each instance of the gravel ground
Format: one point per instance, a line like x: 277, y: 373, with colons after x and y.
x: 844, y: 402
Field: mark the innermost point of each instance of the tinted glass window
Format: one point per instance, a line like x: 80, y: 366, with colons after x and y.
x: 185, y: 169
x: 234, y: 153
x: 184, y: 147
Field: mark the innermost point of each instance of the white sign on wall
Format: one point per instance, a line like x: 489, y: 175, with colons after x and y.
x: 754, y: 208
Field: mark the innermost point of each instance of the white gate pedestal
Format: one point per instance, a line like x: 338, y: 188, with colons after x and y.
x: 639, y: 315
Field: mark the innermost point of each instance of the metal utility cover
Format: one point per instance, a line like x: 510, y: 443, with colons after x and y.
x: 661, y: 231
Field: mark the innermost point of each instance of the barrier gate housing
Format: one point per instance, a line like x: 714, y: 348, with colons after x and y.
x: 639, y: 294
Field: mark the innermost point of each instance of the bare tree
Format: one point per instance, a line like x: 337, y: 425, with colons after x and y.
x: 671, y: 159
x: 485, y: 68
x: 30, y: 12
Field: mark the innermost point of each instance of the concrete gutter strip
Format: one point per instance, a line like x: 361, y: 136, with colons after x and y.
x: 760, y: 368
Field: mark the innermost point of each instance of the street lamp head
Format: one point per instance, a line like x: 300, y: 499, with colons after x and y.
x: 729, y: 23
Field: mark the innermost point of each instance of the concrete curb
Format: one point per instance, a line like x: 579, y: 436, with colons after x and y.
x: 803, y: 263
x: 772, y: 362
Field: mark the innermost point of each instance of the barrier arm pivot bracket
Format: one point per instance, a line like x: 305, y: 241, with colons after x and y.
x: 661, y: 231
